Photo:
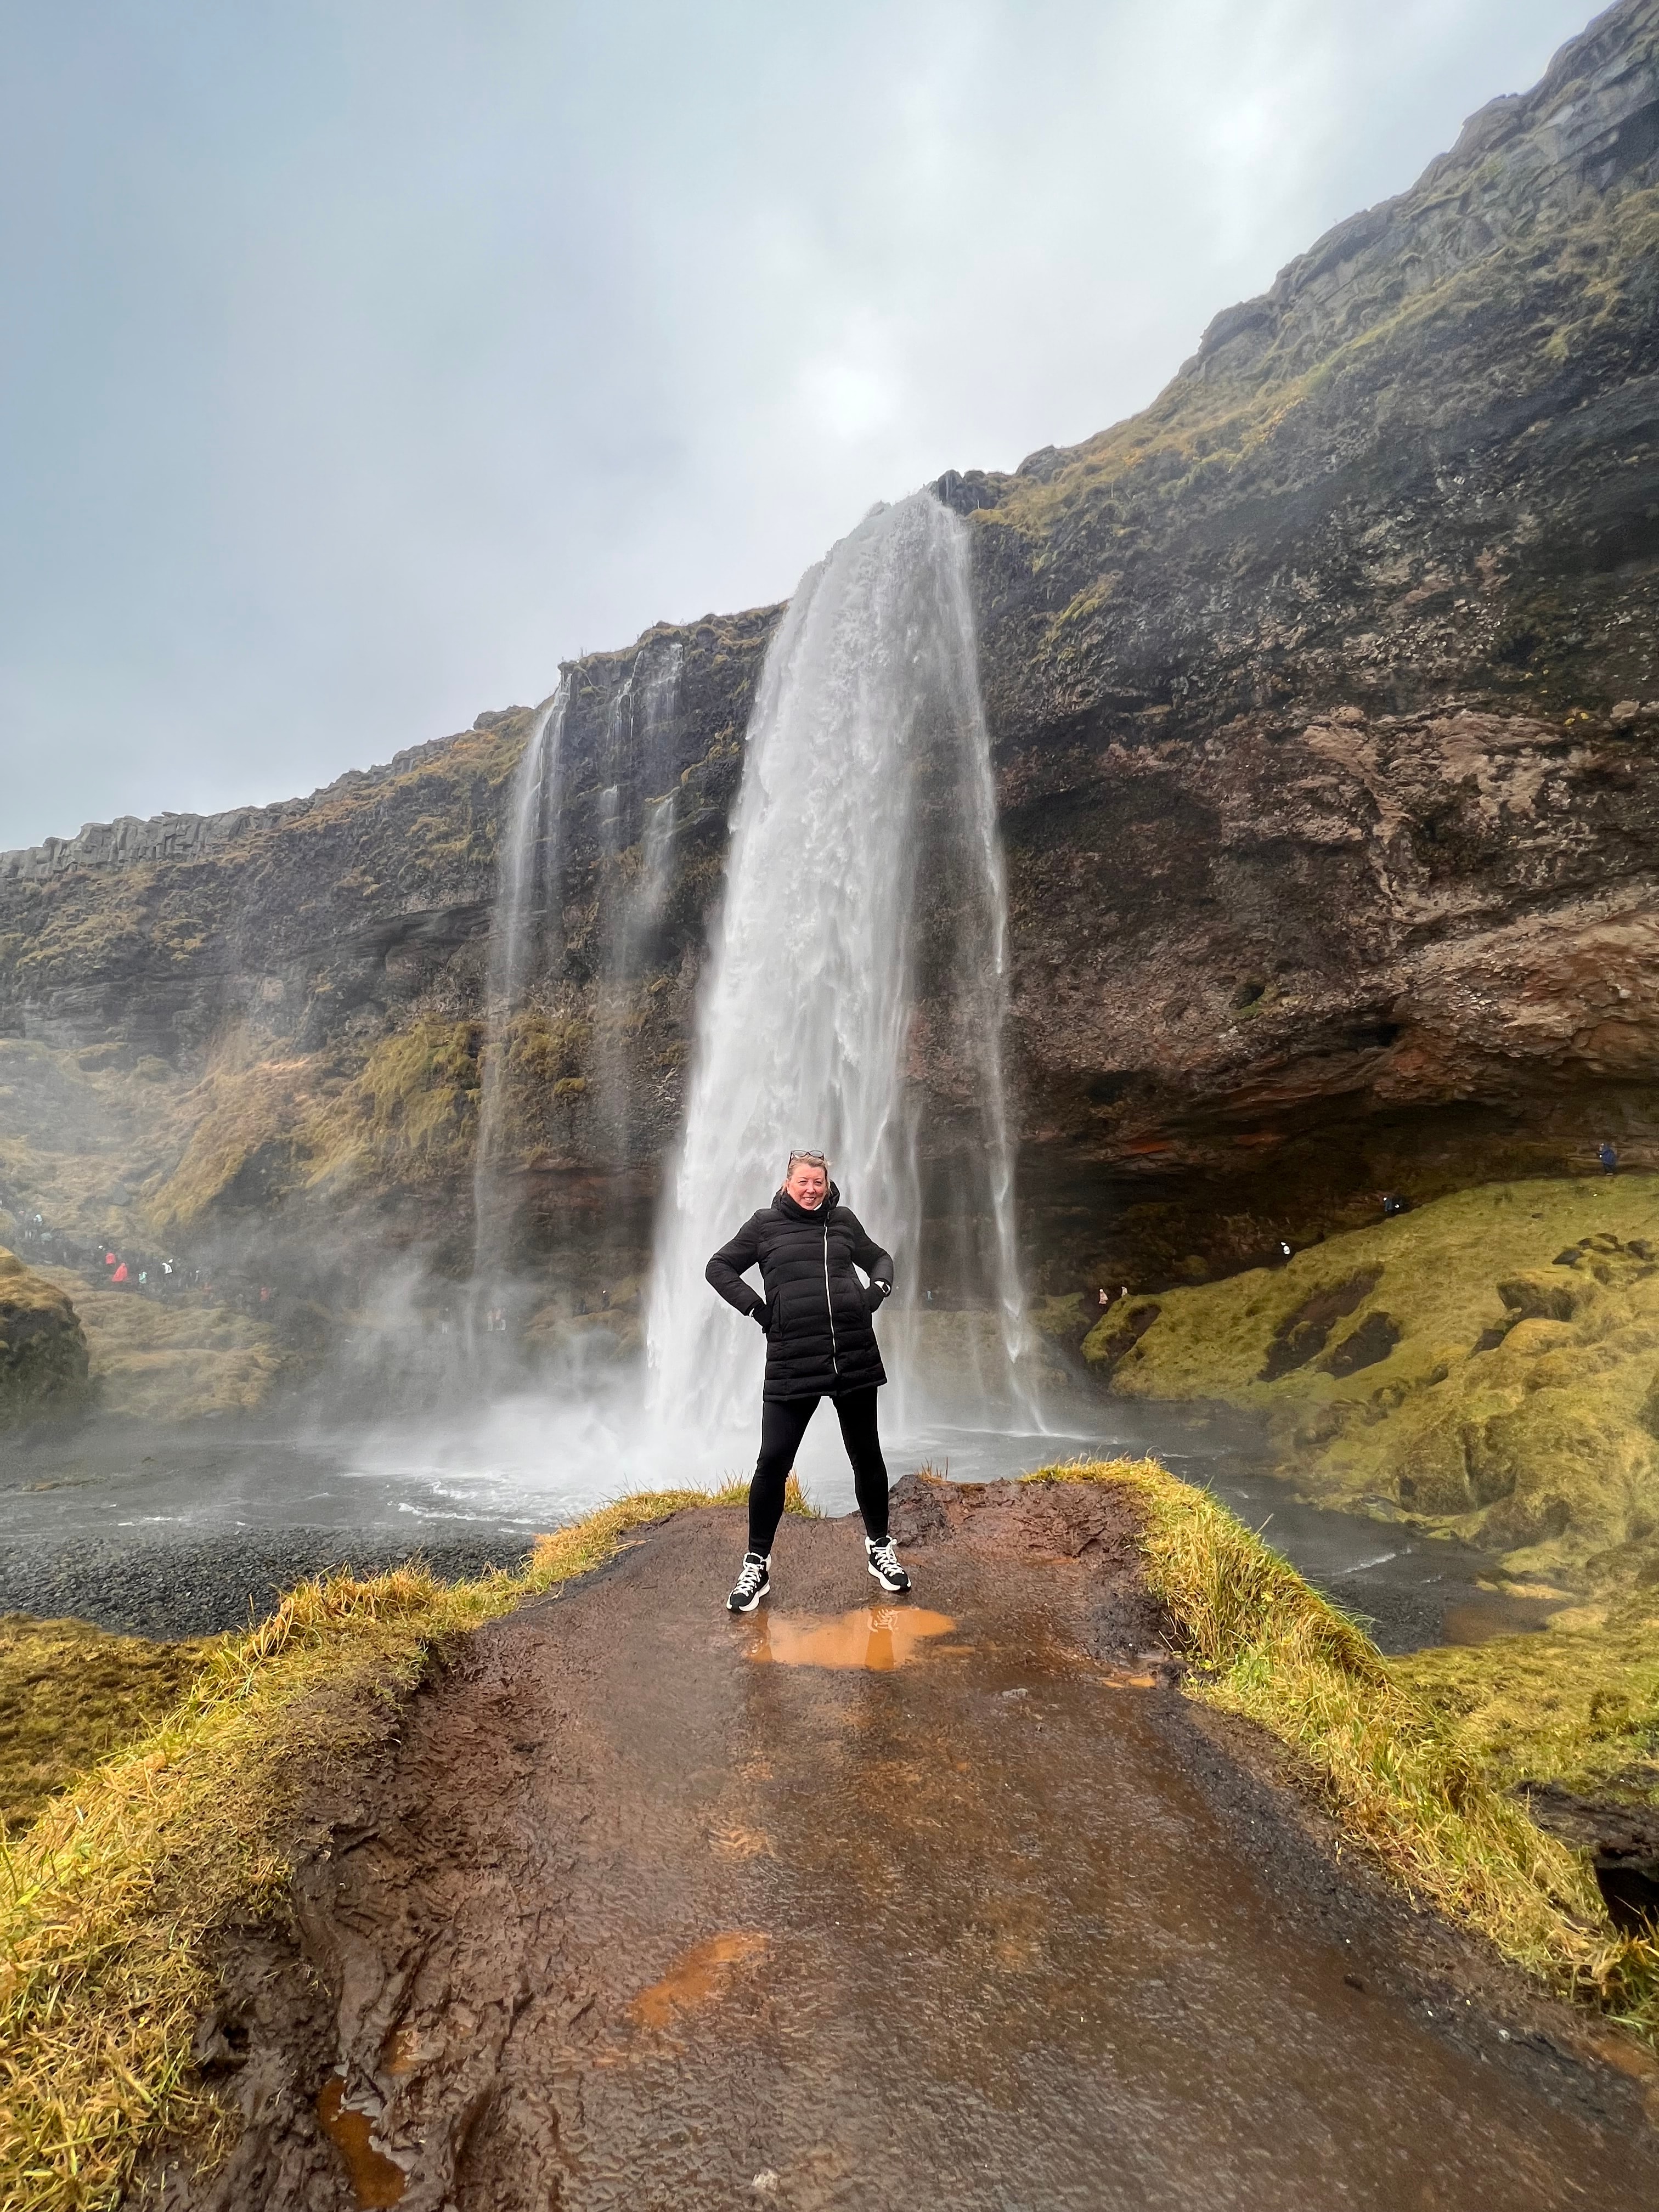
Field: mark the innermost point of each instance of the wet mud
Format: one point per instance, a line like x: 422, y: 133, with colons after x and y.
x: 627, y: 1918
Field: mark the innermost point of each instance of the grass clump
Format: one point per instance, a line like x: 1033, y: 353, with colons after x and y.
x: 69, y: 1693
x: 1397, y: 1769
x: 110, y: 1903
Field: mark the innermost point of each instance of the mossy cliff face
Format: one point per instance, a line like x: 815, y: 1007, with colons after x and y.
x: 43, y: 1348
x: 1326, y: 703
x: 1325, y: 716
x: 1488, y: 1365
x: 256, y: 1038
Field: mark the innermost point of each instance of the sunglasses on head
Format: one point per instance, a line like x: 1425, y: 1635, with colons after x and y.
x: 812, y: 1159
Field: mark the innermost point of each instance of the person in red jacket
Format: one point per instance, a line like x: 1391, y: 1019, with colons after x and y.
x: 820, y: 1343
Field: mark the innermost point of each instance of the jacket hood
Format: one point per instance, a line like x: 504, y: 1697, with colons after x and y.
x: 786, y: 1205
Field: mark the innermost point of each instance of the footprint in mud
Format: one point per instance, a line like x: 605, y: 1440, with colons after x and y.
x: 697, y: 1978
x: 875, y: 1638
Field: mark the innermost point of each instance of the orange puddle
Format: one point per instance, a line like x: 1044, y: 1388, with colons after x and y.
x: 375, y: 2181
x: 700, y: 1976
x: 878, y: 1637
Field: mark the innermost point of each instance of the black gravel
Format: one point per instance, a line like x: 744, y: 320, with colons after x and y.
x: 199, y: 1585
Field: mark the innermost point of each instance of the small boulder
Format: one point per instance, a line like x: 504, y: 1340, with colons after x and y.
x: 43, y: 1347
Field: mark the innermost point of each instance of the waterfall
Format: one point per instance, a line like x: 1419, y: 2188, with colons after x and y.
x: 862, y: 944
x: 552, y: 1007
x: 637, y: 822
x: 525, y: 934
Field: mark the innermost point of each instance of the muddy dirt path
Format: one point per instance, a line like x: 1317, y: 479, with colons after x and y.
x: 979, y: 1914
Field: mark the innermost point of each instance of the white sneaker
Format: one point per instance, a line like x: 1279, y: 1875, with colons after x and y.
x: 752, y: 1583
x: 885, y: 1566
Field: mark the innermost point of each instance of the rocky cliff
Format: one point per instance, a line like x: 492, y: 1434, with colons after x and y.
x: 1325, y: 707
x: 1326, y: 698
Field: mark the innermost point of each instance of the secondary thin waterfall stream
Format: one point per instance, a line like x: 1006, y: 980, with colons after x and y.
x: 555, y: 1002
x: 524, y: 943
x: 856, y: 990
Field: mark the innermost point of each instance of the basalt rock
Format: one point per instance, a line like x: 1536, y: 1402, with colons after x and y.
x: 1325, y: 705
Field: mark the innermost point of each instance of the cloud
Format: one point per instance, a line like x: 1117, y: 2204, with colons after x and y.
x: 364, y: 363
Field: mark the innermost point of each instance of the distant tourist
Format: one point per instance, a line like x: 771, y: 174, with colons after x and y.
x: 1607, y: 1154
x: 1105, y: 1297
x: 1283, y: 1250
x: 1393, y: 1203
x: 820, y: 1343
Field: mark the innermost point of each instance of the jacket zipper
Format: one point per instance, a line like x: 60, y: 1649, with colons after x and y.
x: 835, y: 1364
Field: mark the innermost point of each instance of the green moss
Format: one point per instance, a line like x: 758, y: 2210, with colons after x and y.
x: 1066, y: 1319
x: 243, y: 1118
x: 1483, y: 1364
x: 173, y: 1359
x: 409, y: 1116
x: 1576, y: 1705
x: 43, y: 1347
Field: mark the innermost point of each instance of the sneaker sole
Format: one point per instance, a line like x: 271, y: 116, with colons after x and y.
x: 893, y: 1589
x: 753, y: 1602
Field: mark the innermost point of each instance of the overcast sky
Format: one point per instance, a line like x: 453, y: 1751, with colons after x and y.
x: 363, y: 358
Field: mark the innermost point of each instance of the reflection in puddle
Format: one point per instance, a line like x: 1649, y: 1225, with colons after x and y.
x: 700, y: 1976
x: 878, y: 1637
x: 375, y: 2181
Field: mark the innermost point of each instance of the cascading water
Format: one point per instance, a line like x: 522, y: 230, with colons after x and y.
x: 638, y: 826
x: 856, y: 991
x: 586, y: 848
x: 523, y: 946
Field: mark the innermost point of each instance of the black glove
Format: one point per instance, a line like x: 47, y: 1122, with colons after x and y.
x: 761, y: 1314
x: 877, y: 1295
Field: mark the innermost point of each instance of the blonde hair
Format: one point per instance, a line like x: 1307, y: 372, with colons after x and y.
x: 812, y: 1160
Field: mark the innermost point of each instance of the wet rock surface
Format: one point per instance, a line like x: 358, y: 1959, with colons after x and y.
x: 631, y: 1914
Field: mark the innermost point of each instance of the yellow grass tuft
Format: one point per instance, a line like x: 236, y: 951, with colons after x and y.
x: 69, y: 1694
x: 1387, y: 1763
x: 109, y: 1905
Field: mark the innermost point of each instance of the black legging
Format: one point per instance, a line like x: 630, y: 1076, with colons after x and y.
x: 783, y: 1424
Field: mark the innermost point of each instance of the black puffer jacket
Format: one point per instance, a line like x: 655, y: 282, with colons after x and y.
x: 819, y: 1342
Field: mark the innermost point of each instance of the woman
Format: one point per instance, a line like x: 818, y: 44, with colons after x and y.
x: 819, y: 1344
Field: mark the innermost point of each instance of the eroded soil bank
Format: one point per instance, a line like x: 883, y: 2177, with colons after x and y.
x: 635, y: 1913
